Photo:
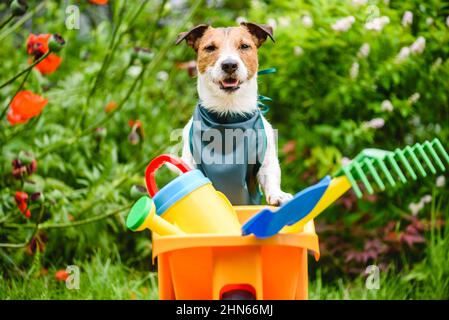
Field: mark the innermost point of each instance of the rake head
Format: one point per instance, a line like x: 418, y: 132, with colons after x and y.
x: 409, y: 159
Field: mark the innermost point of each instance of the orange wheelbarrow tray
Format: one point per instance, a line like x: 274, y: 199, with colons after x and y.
x: 209, y: 266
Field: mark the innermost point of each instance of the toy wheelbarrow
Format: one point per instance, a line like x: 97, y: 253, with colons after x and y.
x: 202, y: 254
x: 209, y: 266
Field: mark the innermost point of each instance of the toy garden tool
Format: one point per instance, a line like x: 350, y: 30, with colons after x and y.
x: 267, y: 223
x: 190, y: 201
x: 143, y: 216
x: 264, y: 224
x: 369, y: 161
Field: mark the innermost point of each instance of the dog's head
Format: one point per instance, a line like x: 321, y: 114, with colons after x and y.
x: 227, y: 57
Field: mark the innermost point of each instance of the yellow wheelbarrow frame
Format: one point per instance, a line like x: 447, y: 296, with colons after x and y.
x: 205, y: 266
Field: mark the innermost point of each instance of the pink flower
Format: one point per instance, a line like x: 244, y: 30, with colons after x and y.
x: 345, y: 161
x: 377, y: 24
x: 364, y: 50
x: 343, y: 24
x: 407, y: 18
x: 418, y: 46
x: 307, y: 21
x: 441, y: 182
x: 403, y: 54
x: 375, y: 123
x: 354, y: 71
x: 414, y: 98
x: 386, y: 106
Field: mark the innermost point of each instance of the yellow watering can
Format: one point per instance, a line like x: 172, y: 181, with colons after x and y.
x: 188, y: 204
x: 143, y: 216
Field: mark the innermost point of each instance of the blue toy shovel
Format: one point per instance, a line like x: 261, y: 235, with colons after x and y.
x: 267, y: 223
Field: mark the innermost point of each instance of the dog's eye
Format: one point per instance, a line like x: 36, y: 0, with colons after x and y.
x: 244, y: 46
x: 210, y: 48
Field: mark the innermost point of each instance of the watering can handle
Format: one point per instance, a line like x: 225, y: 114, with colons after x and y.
x: 155, y: 164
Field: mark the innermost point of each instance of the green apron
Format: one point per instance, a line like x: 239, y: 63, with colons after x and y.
x: 229, y: 150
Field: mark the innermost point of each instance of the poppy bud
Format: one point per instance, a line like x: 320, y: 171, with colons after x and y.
x: 100, y: 133
x: 137, y: 191
x: 18, y: 169
x: 133, y: 138
x: 37, y: 197
x: 18, y: 7
x: 56, y: 42
x: 143, y: 54
x: 25, y: 157
x: 134, y: 54
x: 16, y: 163
x: 32, y: 167
x: 31, y: 187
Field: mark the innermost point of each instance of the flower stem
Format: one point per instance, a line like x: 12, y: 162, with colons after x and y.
x: 17, y: 91
x: 150, y: 66
x: 4, y: 23
x: 158, y: 17
x: 104, y: 66
x: 84, y: 221
x: 46, y: 226
x: 22, y: 20
x: 35, y: 230
x: 31, y: 66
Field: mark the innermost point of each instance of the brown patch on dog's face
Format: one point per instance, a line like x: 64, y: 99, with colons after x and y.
x: 237, y: 40
x: 246, y: 45
x: 229, y: 55
x: 209, y: 48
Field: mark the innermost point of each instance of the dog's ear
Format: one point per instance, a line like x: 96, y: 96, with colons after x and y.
x: 259, y: 31
x: 192, y: 36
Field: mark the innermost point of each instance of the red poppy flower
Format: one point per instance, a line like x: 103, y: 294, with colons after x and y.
x: 22, y: 203
x: 49, y: 64
x: 25, y: 106
x: 111, y: 106
x: 21, y: 196
x: 99, y: 2
x: 136, y: 123
x: 61, y: 275
x: 37, y: 45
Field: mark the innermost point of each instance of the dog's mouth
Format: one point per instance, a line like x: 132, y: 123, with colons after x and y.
x: 230, y: 84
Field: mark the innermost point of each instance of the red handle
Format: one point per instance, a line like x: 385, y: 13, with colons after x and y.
x: 155, y: 164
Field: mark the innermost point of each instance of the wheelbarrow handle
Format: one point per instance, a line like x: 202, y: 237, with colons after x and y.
x: 155, y: 164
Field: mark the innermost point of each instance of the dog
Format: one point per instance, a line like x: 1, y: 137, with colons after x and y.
x: 227, y: 65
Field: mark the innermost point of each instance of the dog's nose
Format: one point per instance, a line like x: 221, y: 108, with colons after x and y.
x: 229, y: 65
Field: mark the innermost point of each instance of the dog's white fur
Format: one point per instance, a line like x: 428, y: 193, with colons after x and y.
x: 243, y: 100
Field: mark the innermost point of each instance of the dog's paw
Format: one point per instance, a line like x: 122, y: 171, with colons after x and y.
x: 278, y: 197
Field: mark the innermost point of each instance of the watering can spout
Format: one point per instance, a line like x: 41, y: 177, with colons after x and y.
x: 143, y: 216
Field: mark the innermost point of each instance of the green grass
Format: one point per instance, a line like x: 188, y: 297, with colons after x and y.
x: 100, y: 278
x: 428, y: 279
x: 104, y: 278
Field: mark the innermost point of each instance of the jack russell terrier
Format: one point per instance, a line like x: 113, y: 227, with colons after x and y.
x: 227, y: 64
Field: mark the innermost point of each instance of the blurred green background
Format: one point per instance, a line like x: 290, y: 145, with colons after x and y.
x: 351, y: 75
